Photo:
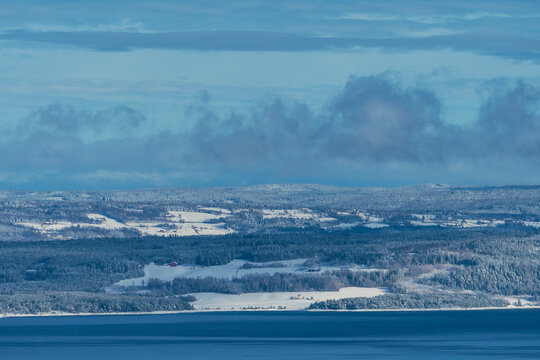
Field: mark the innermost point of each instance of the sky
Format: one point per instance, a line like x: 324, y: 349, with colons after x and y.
x: 149, y: 94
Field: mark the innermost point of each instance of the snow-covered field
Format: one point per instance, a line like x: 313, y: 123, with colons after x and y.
x: 177, y: 223
x: 462, y: 223
x: 303, y: 214
x: 98, y: 221
x: 347, y: 226
x: 47, y: 227
x: 193, y: 216
x: 179, y: 229
x: 424, y: 223
x: 104, y: 222
x: 234, y: 269
x: 376, y: 225
x: 208, y: 220
x: 278, y: 300
x: 535, y: 224
x: 367, y: 220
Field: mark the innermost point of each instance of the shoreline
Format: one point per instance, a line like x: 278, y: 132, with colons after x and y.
x: 52, y: 314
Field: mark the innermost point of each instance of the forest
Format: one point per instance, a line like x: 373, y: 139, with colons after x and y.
x: 423, y: 267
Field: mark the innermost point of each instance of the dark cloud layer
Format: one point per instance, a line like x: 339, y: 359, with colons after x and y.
x: 506, y: 45
x: 374, y: 122
x: 373, y: 119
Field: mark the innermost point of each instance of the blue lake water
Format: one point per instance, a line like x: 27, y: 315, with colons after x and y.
x: 489, y: 334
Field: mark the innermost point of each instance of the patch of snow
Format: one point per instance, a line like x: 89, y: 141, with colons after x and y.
x: 363, y: 215
x: 193, y: 216
x: 516, y: 301
x: 375, y: 219
x: 423, y: 223
x: 534, y: 224
x: 54, y: 198
x: 467, y: 223
x: 425, y: 217
x: 179, y: 229
x: 105, y: 222
x: 47, y: 227
x: 463, y: 223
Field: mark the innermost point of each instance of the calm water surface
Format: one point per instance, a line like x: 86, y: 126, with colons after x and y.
x: 489, y: 334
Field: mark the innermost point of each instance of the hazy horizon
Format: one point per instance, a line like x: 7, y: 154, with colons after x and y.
x: 262, y: 185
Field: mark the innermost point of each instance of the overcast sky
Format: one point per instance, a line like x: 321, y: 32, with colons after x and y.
x: 135, y: 94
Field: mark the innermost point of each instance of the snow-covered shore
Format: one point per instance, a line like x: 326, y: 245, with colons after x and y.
x: 510, y: 307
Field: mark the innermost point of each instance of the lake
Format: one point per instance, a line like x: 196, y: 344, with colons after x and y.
x: 500, y: 334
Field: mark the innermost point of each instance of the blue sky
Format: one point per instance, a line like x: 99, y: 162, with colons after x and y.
x: 132, y: 94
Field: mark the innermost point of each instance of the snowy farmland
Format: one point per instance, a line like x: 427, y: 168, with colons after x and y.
x: 193, y: 216
x: 431, y: 220
x: 257, y: 300
x: 301, y: 214
x: 176, y: 223
x: 234, y: 269
x: 277, y: 300
x: 205, y: 219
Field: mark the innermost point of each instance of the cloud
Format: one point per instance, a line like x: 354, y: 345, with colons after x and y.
x: 272, y: 133
x: 60, y: 120
x: 509, y: 121
x: 191, y: 40
x: 124, y: 25
x: 436, y: 18
x: 374, y: 125
x: 507, y: 45
x: 429, y: 32
x: 374, y: 119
